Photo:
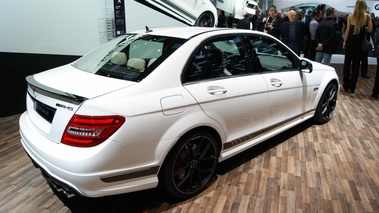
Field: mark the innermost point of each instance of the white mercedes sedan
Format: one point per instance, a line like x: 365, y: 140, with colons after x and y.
x: 162, y: 107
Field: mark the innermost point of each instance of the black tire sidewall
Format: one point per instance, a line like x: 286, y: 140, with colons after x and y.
x: 319, y: 118
x: 166, y: 182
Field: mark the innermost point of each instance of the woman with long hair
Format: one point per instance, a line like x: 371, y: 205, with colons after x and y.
x: 357, y: 24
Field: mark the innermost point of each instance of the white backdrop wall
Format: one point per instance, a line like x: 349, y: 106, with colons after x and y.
x: 66, y: 27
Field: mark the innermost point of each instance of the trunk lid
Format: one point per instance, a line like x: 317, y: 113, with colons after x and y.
x: 55, y: 95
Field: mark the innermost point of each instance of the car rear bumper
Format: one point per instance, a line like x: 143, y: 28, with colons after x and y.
x: 68, y: 190
x: 82, y: 176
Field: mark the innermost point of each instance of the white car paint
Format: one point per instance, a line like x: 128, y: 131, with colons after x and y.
x: 163, y: 106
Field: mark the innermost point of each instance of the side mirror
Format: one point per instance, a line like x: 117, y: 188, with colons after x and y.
x: 306, y: 66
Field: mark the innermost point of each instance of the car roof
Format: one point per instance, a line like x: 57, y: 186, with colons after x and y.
x: 179, y: 32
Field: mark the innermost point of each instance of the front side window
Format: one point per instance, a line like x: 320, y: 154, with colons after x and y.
x: 267, y: 54
x: 130, y: 57
x: 219, y: 57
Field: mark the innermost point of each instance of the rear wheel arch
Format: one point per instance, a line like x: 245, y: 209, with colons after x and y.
x: 206, y: 129
x: 193, y: 131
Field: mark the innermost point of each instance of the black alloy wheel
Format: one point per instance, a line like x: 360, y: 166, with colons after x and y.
x: 190, y: 166
x: 327, y: 105
x: 205, y: 20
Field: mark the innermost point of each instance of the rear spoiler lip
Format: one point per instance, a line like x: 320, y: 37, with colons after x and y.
x: 54, y: 93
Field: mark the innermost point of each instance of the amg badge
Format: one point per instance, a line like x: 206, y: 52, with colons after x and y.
x: 64, y: 107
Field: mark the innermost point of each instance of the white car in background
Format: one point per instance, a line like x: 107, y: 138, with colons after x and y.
x: 238, y: 8
x: 312, y: 7
x: 165, y: 106
x: 200, y: 13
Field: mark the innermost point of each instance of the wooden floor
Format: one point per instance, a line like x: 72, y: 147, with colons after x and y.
x: 310, y: 168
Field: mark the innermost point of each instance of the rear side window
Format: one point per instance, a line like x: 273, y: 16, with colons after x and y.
x: 219, y: 57
x: 130, y: 57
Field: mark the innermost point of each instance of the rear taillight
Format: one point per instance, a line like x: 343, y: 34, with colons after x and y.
x: 88, y: 131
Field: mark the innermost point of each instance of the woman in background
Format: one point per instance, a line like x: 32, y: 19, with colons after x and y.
x: 357, y: 23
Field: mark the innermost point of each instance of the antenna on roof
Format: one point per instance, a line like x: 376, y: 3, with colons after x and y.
x: 148, y: 30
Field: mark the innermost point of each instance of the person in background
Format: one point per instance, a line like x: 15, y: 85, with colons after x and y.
x: 326, y: 38
x: 322, y: 8
x: 265, y: 19
x: 313, y: 25
x: 307, y: 33
x: 245, y: 22
x: 354, y: 35
x: 364, y: 60
x: 274, y: 23
x: 270, y: 11
x: 285, y: 15
x: 344, y: 23
x: 255, y: 18
x: 221, y: 22
x: 310, y: 15
x: 340, y: 30
x: 259, y: 25
x: 293, y: 33
x: 303, y: 16
x: 298, y: 16
x: 375, y: 90
x: 374, y: 28
x: 229, y: 21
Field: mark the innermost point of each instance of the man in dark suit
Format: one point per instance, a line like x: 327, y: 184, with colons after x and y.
x: 326, y: 38
x: 255, y: 18
x: 245, y: 22
x: 274, y: 23
x: 293, y: 33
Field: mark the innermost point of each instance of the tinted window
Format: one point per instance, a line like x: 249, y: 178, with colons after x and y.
x: 267, y: 54
x: 220, y: 57
x: 130, y: 57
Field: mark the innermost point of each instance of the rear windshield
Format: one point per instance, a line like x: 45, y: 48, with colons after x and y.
x: 131, y: 57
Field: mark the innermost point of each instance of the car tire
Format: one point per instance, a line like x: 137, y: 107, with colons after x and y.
x: 327, y: 104
x: 206, y: 19
x: 190, y: 166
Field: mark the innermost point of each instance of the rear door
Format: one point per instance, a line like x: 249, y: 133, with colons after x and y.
x: 221, y: 80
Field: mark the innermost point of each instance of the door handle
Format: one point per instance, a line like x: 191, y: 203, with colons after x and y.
x: 216, y: 90
x: 276, y: 82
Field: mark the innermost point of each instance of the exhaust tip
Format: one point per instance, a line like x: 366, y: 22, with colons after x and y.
x: 67, y: 192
